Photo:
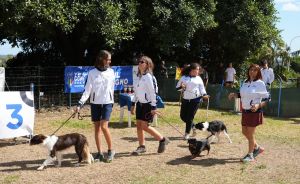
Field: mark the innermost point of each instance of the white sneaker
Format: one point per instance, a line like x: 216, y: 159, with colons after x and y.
x: 194, y: 134
x: 186, y: 136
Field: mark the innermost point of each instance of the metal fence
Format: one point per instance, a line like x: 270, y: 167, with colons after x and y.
x: 47, y: 83
x: 49, y: 89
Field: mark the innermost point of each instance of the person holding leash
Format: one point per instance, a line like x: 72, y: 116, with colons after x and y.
x: 193, y: 92
x: 145, y: 97
x: 254, y: 96
x: 100, y: 89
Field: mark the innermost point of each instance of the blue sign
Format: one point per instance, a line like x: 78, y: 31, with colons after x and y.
x: 76, y: 76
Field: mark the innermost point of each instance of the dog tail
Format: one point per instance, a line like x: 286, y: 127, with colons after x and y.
x: 86, y: 154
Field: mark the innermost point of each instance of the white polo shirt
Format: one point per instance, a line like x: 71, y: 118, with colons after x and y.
x: 267, y: 75
x: 252, y: 92
x: 230, y: 72
x: 194, y: 87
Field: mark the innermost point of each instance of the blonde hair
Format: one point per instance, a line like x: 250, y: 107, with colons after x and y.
x: 150, y: 65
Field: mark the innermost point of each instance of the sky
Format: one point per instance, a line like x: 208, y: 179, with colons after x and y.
x: 289, y: 24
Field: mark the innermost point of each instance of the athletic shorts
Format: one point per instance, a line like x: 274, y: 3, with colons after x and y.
x: 252, y: 119
x: 143, y: 112
x: 101, y: 111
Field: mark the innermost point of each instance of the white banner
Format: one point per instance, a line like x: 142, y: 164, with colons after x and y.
x: 2, y: 78
x: 16, y: 114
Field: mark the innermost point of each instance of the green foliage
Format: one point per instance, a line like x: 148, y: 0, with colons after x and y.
x: 70, y: 27
x: 295, y: 64
x: 177, y: 30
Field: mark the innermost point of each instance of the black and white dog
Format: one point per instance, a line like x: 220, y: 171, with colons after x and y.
x: 215, y: 128
x: 197, y: 146
x: 56, y: 144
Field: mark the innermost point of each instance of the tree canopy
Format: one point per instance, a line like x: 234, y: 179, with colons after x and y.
x: 174, y: 30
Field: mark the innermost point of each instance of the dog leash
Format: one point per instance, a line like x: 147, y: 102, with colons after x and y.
x: 207, y: 109
x: 72, y: 116
x: 159, y: 114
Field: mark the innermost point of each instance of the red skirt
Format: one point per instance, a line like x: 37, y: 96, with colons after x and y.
x: 252, y: 119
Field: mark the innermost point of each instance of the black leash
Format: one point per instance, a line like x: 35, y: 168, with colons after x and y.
x: 72, y: 116
x: 159, y: 114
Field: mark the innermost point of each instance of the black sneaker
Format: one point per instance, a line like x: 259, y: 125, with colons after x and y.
x: 110, y: 155
x: 258, y: 151
x: 99, y: 157
x: 162, y: 145
x: 139, y: 150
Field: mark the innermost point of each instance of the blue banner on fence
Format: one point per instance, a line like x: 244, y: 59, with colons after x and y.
x: 76, y: 76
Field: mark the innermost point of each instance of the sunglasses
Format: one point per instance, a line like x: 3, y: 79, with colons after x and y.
x: 141, y: 62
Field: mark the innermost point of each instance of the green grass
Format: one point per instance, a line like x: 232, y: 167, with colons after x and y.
x: 11, y: 179
x: 282, y: 130
x: 77, y: 124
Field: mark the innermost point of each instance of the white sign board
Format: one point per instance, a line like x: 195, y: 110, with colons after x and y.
x: 2, y: 78
x: 16, y: 114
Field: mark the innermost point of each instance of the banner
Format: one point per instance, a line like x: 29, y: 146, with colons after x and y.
x: 2, y: 78
x: 16, y: 114
x: 76, y: 76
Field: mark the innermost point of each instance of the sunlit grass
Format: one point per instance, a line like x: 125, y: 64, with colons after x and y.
x: 283, y: 130
x: 11, y: 179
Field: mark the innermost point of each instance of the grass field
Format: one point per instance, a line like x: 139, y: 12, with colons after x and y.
x: 280, y: 163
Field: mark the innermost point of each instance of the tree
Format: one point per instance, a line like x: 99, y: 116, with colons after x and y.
x: 167, y: 26
x: 244, y: 26
x: 68, y: 27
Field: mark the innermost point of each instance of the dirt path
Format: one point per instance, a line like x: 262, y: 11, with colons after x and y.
x: 279, y: 164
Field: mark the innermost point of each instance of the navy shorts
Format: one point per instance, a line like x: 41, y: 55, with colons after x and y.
x: 101, y: 111
x: 143, y: 112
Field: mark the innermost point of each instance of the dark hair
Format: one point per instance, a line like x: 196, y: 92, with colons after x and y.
x: 101, y: 56
x: 257, y: 68
x: 186, y: 71
x: 150, y: 65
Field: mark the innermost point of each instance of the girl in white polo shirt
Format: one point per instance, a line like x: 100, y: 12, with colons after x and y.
x: 254, y: 96
x: 145, y: 97
x: 193, y: 91
x: 100, y: 89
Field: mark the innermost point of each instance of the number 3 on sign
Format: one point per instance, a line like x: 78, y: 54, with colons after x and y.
x: 15, y: 115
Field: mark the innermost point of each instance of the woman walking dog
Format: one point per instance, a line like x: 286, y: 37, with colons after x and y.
x: 145, y: 96
x: 193, y: 92
x: 253, y: 96
x: 100, y: 88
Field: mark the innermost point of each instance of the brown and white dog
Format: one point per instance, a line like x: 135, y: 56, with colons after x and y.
x: 56, y: 144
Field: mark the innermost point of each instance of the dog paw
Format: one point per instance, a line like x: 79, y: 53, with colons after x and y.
x: 77, y: 165
x: 40, y: 168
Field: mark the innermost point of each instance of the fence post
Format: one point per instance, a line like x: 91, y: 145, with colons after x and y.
x: 279, y: 95
x: 70, y: 99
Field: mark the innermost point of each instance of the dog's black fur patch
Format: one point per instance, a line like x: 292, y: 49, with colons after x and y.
x: 213, y: 126
x: 197, y: 146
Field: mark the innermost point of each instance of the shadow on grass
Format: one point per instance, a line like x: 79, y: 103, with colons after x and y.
x: 68, y: 161
x: 296, y: 121
x: 202, y: 161
x: 134, y: 139
x: 118, y: 125
x: 13, y: 142
x: 128, y: 154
